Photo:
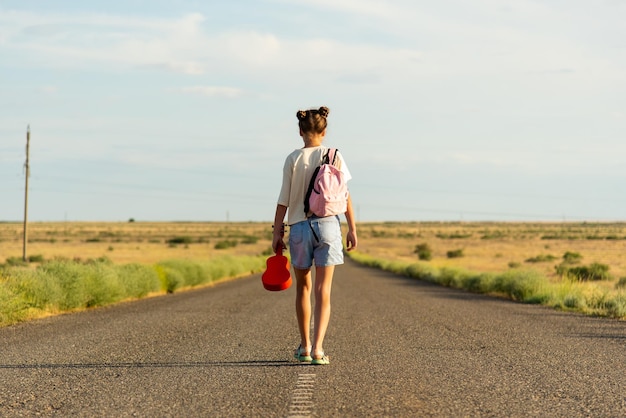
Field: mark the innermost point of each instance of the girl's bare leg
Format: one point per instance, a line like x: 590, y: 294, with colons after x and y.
x: 303, y: 306
x: 323, y: 283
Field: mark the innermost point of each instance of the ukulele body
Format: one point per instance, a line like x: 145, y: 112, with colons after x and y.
x: 277, y: 274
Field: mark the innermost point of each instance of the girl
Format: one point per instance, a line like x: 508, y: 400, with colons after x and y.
x: 311, y: 238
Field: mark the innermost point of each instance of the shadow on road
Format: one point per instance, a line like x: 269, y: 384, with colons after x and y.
x: 186, y: 364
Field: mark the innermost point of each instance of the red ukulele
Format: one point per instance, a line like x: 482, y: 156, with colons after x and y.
x: 277, y: 276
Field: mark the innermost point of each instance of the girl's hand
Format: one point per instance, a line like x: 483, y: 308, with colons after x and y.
x: 278, y: 242
x: 279, y: 228
x: 351, y: 240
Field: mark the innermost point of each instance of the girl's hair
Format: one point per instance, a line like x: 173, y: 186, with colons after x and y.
x: 313, y: 120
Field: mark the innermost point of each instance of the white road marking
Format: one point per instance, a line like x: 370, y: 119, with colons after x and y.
x: 301, y: 405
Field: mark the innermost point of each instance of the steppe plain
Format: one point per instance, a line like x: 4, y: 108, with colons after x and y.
x: 483, y: 246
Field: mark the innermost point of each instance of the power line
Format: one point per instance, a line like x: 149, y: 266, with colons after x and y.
x: 208, y: 196
x: 405, y: 190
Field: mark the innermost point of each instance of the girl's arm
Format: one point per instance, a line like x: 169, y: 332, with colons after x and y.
x: 281, y: 211
x: 351, y: 239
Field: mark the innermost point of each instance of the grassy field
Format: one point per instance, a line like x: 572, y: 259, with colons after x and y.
x: 486, y: 246
x: 74, y: 266
x: 482, y: 247
x: 578, y: 266
x: 135, y: 242
x: 496, y: 247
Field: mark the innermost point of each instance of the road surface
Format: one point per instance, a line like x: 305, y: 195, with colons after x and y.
x: 398, y: 348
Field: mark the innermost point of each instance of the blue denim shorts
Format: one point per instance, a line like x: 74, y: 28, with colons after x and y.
x: 316, y: 239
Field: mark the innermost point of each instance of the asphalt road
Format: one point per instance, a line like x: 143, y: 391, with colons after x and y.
x: 398, y: 348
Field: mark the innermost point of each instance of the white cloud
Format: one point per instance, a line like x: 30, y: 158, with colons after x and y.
x: 491, y: 37
x: 183, y: 45
x: 439, y: 39
x: 450, y: 45
x: 248, y: 48
x: 370, y: 8
x: 81, y: 40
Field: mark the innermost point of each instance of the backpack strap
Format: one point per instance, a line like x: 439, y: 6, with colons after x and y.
x: 326, y: 157
x: 310, y: 190
x: 329, y: 158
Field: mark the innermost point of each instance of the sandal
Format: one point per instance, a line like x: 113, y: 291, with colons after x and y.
x: 323, y: 360
x: 301, y: 355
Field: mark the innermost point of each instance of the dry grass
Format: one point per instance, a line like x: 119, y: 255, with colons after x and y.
x: 487, y: 247
x: 494, y: 247
x: 140, y: 242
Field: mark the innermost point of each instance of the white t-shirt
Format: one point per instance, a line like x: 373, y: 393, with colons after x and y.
x: 297, y: 172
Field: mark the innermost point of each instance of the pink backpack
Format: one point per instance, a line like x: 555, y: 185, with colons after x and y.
x: 327, y: 194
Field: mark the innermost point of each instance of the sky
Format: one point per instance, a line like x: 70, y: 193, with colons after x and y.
x: 448, y: 110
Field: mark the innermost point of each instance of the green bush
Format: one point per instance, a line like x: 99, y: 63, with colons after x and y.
x: 224, y: 244
x: 494, y: 235
x: 36, y: 258
x: 233, y: 266
x: 190, y: 272
x: 423, y: 251
x: 64, y: 285
x: 616, y: 307
x: 621, y: 283
x: 249, y: 239
x: 12, y: 307
x: 455, y: 253
x: 592, y: 272
x: 542, y: 258
x: 102, y: 285
x: 571, y: 257
x: 169, y: 278
x: 450, y: 277
x: 179, y: 240
x: 455, y: 235
x: 16, y: 261
x: 574, y: 301
x: 421, y: 271
x: 175, y: 274
x: 478, y: 283
x: 70, y: 278
x: 37, y: 288
x: 138, y: 280
x: 521, y: 285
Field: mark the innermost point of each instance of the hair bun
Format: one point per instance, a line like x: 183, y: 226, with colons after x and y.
x: 323, y: 111
x: 301, y: 114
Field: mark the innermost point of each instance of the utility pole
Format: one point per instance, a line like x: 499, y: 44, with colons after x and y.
x: 27, y: 171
